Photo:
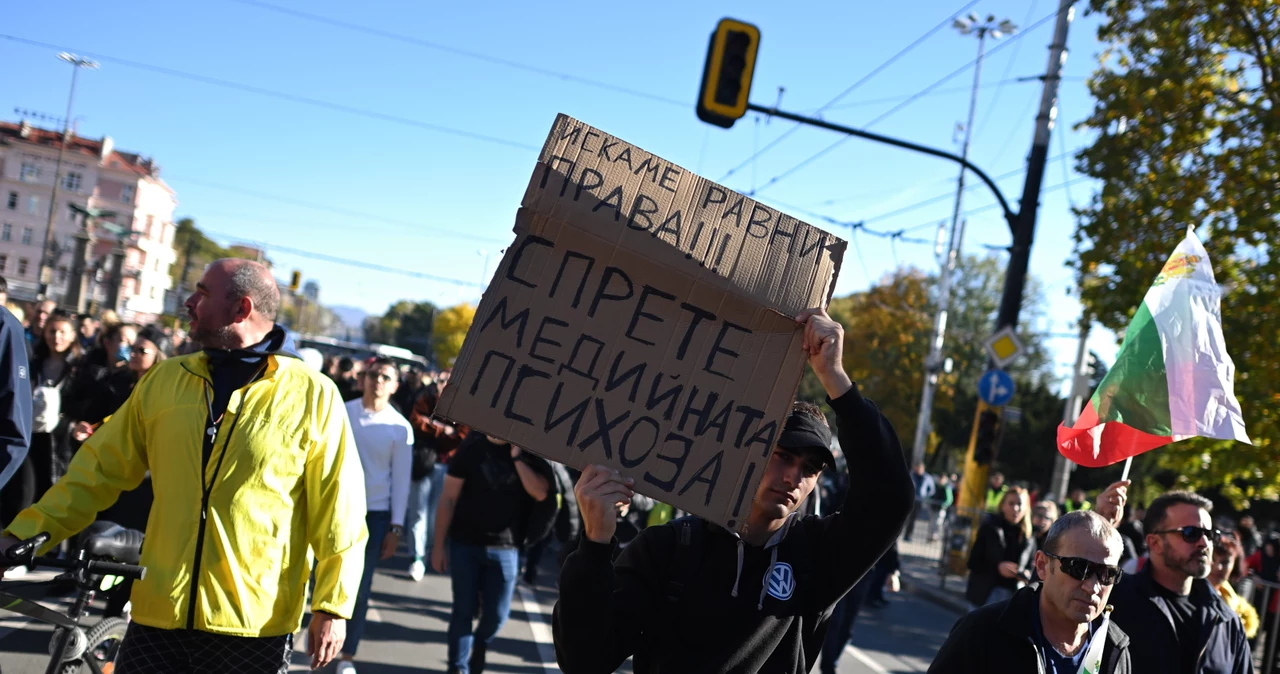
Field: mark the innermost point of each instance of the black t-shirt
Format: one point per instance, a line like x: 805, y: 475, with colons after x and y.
x: 493, y: 504
x: 1185, y: 624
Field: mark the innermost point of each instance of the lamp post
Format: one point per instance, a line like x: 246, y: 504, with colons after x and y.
x: 45, y: 274
x: 933, y: 363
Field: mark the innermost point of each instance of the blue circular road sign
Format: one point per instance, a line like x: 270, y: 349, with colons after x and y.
x: 996, y: 388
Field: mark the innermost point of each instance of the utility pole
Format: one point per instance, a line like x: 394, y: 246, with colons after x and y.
x: 971, y: 500
x: 45, y: 274
x: 1062, y: 468
x: 970, y: 25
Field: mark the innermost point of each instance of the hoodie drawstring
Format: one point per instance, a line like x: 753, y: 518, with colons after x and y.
x: 738, y: 577
x: 764, y: 583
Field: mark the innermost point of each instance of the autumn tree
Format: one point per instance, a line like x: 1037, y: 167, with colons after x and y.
x: 451, y: 328
x: 1187, y: 133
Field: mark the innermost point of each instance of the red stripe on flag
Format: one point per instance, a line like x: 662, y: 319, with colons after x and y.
x: 1094, y: 444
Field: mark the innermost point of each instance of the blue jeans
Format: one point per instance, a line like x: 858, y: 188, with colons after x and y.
x: 378, y: 521
x: 424, y: 496
x: 485, y: 575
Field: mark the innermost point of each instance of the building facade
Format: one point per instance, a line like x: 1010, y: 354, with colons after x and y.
x: 95, y: 176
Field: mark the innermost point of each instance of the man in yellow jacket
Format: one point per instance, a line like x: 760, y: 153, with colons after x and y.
x: 254, y: 469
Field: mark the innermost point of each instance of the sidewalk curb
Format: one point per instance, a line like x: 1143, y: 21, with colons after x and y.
x: 927, y: 588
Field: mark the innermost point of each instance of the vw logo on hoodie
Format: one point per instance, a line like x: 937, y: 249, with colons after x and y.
x: 782, y: 581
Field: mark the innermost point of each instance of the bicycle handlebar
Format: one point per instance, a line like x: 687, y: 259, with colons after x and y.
x: 24, y: 553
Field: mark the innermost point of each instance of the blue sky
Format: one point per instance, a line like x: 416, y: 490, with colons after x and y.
x: 441, y: 202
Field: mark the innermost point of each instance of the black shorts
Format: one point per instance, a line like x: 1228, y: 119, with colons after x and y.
x: 149, y: 650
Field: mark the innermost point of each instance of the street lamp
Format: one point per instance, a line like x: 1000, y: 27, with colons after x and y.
x: 933, y: 363
x: 45, y: 275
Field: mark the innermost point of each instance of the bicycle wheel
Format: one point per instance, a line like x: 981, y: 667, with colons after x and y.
x: 104, y: 643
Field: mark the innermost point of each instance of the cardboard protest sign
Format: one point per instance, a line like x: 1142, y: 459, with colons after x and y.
x: 643, y: 319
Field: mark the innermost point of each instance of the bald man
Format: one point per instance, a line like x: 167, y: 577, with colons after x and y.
x: 252, y: 461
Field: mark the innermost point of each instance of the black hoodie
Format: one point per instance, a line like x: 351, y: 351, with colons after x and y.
x: 747, y: 608
x: 236, y: 368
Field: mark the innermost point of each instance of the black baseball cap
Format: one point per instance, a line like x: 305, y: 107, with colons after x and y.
x: 803, y: 432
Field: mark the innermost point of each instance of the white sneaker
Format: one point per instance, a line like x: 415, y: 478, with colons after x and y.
x: 417, y: 571
x: 345, y: 667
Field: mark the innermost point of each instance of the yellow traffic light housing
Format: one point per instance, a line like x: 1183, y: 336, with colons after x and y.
x: 726, y: 77
x: 295, y: 282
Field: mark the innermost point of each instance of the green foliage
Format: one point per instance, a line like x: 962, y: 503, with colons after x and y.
x: 1187, y: 124
x: 189, y: 240
x: 406, y: 324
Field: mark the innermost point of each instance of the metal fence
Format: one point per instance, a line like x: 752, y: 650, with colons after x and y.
x: 1264, y: 595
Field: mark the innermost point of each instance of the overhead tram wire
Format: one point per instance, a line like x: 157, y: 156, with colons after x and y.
x: 323, y: 257
x: 918, y: 95
x: 336, y: 210
x: 427, y: 44
x: 272, y: 93
x: 851, y: 88
x: 1008, y: 70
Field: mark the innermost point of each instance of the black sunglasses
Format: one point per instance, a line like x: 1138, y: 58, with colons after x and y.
x: 1192, y: 534
x: 1081, y: 568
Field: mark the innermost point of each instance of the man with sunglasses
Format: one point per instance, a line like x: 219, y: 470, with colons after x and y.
x: 1052, y: 628
x: 1178, y: 622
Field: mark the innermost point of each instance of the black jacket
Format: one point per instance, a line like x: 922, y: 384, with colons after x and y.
x: 999, y: 638
x: 15, y: 396
x: 1145, y: 616
x: 993, y: 545
x: 745, y: 608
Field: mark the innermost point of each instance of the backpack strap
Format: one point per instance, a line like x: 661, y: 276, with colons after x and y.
x: 688, y: 550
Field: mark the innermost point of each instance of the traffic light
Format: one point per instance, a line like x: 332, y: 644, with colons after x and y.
x: 726, y: 77
x: 295, y: 282
x: 988, y: 437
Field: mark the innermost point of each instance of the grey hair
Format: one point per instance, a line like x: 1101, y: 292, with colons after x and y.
x: 1097, y: 525
x: 252, y: 280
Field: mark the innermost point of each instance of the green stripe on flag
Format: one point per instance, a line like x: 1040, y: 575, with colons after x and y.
x: 1135, y: 391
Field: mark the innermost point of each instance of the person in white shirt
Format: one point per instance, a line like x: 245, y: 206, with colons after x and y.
x: 384, y: 439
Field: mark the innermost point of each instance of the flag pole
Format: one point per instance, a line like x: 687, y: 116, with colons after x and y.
x: 1127, y: 463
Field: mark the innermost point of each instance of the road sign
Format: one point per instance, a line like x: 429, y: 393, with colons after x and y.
x: 996, y: 388
x: 1004, y: 346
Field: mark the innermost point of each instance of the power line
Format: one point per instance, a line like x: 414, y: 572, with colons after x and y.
x: 416, y: 226
x: 900, y: 106
x: 408, y: 39
x: 272, y: 93
x: 347, y: 261
x: 1008, y: 69
x: 936, y: 92
x: 878, y: 69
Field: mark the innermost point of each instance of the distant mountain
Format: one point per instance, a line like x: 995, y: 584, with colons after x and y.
x: 353, y: 317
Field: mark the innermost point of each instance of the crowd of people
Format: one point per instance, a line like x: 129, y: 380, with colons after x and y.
x: 267, y: 477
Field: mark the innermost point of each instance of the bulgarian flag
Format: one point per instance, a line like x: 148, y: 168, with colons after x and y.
x: 1172, y: 379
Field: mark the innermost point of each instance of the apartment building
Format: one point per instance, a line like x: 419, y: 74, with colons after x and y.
x: 97, y: 176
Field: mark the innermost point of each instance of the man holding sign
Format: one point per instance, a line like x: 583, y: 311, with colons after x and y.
x: 695, y: 596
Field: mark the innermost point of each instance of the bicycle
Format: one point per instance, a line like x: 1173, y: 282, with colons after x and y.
x: 74, y: 648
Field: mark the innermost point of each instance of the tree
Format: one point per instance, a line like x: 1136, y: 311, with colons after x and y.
x: 190, y: 242
x: 887, y: 332
x: 451, y: 328
x: 1187, y: 124
x: 406, y: 324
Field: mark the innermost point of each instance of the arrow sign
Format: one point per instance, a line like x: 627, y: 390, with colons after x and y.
x: 996, y: 388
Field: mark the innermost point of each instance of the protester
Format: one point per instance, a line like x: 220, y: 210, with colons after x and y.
x: 996, y: 489
x: 947, y: 499
x: 691, y: 596
x: 1226, y: 557
x: 1043, y: 516
x: 924, y: 490
x: 89, y: 332
x: 15, y: 402
x: 434, y: 442
x: 1002, y: 554
x: 1177, y: 621
x: 97, y: 389
x: 39, y: 315
x: 489, y: 492
x: 245, y: 496
x: 385, y: 442
x: 53, y: 369
x: 1250, y: 537
x: 1053, y: 627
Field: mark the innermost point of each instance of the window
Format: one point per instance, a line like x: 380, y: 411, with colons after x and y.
x: 72, y: 181
x: 6, y: 232
x: 22, y: 266
x: 26, y: 236
x: 13, y: 201
x: 33, y: 205
x: 151, y: 219
x: 4, y: 262
x: 126, y: 194
x: 30, y: 172
x: 62, y: 274
x: 71, y: 213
